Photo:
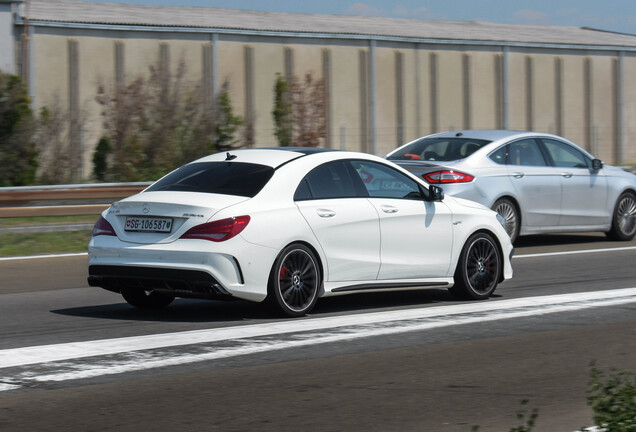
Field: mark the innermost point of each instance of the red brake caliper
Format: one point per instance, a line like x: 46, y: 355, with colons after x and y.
x: 283, y: 273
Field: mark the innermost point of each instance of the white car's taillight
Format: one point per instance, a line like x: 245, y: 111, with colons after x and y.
x: 448, y: 176
x: 103, y: 227
x: 218, y: 231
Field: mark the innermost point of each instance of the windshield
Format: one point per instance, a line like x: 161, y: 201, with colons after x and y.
x: 226, y: 178
x: 439, y: 149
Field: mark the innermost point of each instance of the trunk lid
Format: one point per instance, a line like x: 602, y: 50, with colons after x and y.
x: 163, y: 217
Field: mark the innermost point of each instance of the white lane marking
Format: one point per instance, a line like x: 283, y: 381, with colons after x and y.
x: 66, y: 255
x: 259, y: 346
x: 575, y: 252
x: 6, y: 387
x: 250, y: 339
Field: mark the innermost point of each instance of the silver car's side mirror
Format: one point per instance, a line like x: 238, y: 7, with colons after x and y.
x: 597, y: 165
x: 435, y: 193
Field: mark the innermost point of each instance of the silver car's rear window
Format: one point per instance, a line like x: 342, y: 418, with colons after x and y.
x: 226, y: 178
x: 439, y: 149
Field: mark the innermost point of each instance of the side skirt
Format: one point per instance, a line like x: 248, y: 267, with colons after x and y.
x: 357, y: 286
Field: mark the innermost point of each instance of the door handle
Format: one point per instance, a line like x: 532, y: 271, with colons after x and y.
x: 567, y: 175
x: 518, y: 175
x: 325, y: 213
x: 389, y: 209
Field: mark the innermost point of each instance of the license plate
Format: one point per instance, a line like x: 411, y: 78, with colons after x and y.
x: 148, y: 224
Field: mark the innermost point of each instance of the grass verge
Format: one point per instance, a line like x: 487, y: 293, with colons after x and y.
x: 24, y: 244
x: 46, y: 220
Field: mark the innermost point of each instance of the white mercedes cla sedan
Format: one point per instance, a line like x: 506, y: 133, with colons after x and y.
x: 291, y: 225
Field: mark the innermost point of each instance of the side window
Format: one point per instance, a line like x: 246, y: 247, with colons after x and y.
x: 500, y: 155
x: 382, y: 181
x: 564, y: 155
x: 330, y: 180
x: 525, y: 152
x: 302, y: 192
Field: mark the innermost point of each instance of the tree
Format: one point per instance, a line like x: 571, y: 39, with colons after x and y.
x: 100, y: 159
x: 56, y: 156
x: 226, y: 124
x: 123, y: 112
x: 309, y: 101
x: 18, y: 154
x: 282, y: 112
x: 158, y: 123
x: 300, y: 111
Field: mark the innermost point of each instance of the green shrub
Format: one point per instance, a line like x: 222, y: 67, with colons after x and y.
x: 612, y: 396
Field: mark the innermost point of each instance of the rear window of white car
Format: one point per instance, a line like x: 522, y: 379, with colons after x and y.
x: 439, y: 149
x: 226, y: 178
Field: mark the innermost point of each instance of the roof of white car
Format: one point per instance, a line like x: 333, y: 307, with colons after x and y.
x: 272, y: 156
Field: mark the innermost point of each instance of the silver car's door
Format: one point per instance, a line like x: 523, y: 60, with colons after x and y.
x: 584, y: 201
x: 343, y: 221
x: 416, y: 235
x: 538, y: 185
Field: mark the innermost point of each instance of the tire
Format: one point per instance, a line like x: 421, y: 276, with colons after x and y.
x: 478, y: 269
x: 294, y: 281
x: 146, y: 300
x: 508, y: 209
x: 624, y: 218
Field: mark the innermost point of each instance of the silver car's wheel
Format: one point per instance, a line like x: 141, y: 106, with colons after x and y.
x: 506, y: 208
x: 478, y: 269
x: 624, y: 218
x: 294, y: 281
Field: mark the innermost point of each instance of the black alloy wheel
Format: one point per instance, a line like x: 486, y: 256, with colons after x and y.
x: 478, y: 269
x: 294, y: 281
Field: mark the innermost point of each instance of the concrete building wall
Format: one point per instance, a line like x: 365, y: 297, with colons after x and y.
x: 573, y: 98
x: 412, y: 88
x: 426, y: 91
x: 420, y: 88
x: 517, y: 91
x: 450, y: 89
x: 268, y: 61
x: 385, y: 102
x: 7, y: 40
x: 346, y: 93
x: 604, y: 101
x: 484, y: 89
x: 629, y: 109
x: 543, y: 92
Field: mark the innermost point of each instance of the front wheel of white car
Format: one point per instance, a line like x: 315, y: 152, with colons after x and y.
x: 478, y: 269
x: 294, y: 281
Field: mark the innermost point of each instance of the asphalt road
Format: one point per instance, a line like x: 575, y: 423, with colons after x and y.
x: 444, y: 366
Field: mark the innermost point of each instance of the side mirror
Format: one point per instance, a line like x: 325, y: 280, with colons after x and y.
x: 435, y: 193
x: 597, y: 165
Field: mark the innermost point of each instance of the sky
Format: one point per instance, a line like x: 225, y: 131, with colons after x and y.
x: 612, y: 15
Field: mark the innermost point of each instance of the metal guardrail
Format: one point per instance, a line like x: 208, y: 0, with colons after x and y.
x: 75, y: 199
x: 63, y: 200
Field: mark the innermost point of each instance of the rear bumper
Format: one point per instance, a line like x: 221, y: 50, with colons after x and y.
x: 173, y: 282
x: 184, y: 268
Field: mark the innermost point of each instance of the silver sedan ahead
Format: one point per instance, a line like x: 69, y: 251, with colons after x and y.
x: 540, y: 183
